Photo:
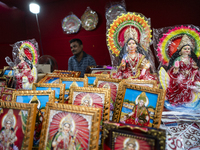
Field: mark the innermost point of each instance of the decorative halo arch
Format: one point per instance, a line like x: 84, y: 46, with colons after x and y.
x: 115, y: 36
x: 170, y: 40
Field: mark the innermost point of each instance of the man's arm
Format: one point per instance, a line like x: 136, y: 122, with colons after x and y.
x: 70, y: 64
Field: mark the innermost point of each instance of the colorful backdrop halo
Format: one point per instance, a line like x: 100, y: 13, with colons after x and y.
x: 170, y: 40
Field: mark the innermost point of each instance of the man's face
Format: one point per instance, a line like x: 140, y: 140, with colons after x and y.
x: 76, y: 48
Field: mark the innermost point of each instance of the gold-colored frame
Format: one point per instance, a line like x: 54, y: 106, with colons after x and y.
x: 50, y: 93
x: 6, y: 93
x: 151, y: 142
x: 11, y: 89
x: 94, y: 112
x: 107, y: 80
x: 50, y: 85
x: 159, y: 134
x: 106, y: 110
x: 84, y: 80
x: 71, y: 73
x: 31, y: 108
x: 153, y: 83
x: 120, y: 98
x: 86, y: 75
x: 53, y: 76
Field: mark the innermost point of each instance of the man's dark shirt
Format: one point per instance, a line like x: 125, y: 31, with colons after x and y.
x: 74, y: 65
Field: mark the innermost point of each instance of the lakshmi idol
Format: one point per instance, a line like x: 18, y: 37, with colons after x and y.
x: 135, y: 63
x: 183, y: 70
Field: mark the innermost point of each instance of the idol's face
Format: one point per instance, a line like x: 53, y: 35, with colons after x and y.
x: 66, y: 127
x: 86, y: 103
x: 130, y: 147
x: 8, y: 125
x: 131, y: 46
x: 186, y: 50
x: 20, y: 57
x: 76, y: 48
x: 141, y: 103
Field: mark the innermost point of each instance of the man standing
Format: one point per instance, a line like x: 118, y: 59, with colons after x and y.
x: 80, y: 60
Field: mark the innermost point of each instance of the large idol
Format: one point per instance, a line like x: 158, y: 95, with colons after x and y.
x: 25, y: 55
x: 128, y: 40
x: 181, y: 79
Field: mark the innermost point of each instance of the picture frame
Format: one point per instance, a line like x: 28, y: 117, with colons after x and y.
x: 139, y: 105
x: 58, y: 88
x: 40, y: 98
x: 69, y: 73
x: 92, y: 78
x: 58, y: 115
x: 113, y: 85
x: 2, y: 88
x: 52, y: 78
x: 71, y: 82
x: 92, y: 97
x: 19, y: 119
x: 156, y: 137
x: 3, y: 81
x: 148, y: 83
x: 6, y: 96
x: 9, y: 90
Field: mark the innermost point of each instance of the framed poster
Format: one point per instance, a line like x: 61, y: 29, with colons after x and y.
x: 58, y: 88
x: 70, y: 127
x: 69, y: 73
x: 92, y: 78
x: 148, y: 83
x: 111, y: 84
x: 92, y: 97
x: 52, y: 78
x: 119, y: 136
x: 40, y: 98
x: 139, y: 105
x: 17, y: 125
x: 72, y: 82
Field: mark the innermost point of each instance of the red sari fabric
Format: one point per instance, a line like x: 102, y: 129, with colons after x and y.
x: 134, y: 63
x: 135, y: 118
x: 179, y: 90
x: 24, y: 70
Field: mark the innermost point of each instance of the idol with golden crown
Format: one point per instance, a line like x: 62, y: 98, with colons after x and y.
x: 182, y: 77
x: 129, y: 40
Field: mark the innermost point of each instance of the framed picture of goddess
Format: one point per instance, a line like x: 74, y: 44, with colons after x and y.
x: 17, y: 125
x: 92, y: 97
x: 139, y: 105
x: 40, y: 98
x: 68, y: 73
x: 52, y: 78
x: 70, y: 127
x: 148, y: 83
x: 111, y: 84
x: 58, y: 88
x: 72, y: 82
x: 92, y: 78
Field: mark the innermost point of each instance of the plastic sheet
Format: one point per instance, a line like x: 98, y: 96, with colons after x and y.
x: 25, y: 57
x: 71, y: 24
x: 178, y: 50
x: 183, y: 130
x: 89, y: 19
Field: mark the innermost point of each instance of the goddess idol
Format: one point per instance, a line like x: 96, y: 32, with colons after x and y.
x: 179, y: 49
x: 128, y: 41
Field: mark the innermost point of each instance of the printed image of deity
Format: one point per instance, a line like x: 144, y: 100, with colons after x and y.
x: 12, y: 128
x: 137, y: 109
x: 67, y: 133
